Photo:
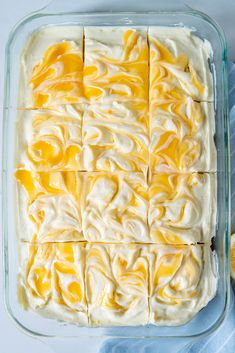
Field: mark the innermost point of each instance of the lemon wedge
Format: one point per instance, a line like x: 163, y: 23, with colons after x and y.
x: 232, y: 256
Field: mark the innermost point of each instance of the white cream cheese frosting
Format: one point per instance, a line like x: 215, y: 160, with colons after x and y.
x: 116, y: 147
x: 52, y: 67
x: 109, y: 285
x: 49, y: 206
x: 115, y: 208
x: 117, y: 285
x: 182, y: 281
x: 182, y: 208
x: 52, y: 281
x: 179, y: 64
x: 50, y: 140
x: 134, y: 112
x: 182, y: 136
x: 112, y: 143
x: 116, y: 64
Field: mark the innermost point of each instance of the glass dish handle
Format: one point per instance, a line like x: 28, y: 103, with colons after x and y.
x: 69, y: 6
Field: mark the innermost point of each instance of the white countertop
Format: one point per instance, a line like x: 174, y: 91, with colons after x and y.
x: 11, y: 339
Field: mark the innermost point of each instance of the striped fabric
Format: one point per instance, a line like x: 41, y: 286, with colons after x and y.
x: 221, y: 341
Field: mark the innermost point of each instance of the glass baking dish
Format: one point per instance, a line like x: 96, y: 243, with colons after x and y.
x: 209, y: 318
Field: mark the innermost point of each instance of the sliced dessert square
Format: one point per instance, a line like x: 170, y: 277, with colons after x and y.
x: 116, y: 285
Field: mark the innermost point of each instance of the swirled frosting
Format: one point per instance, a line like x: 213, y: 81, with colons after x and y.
x: 113, y: 141
x: 182, y: 281
x: 115, y: 208
x: 112, y: 284
x: 52, y: 68
x: 49, y: 206
x: 116, y: 64
x: 51, y: 140
x: 179, y: 64
x: 52, y: 281
x: 117, y: 285
x: 182, y: 133
x: 181, y: 209
x: 112, y: 149
x: 181, y: 125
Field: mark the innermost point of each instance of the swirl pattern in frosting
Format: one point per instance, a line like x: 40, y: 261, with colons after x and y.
x: 182, y: 136
x: 182, y: 281
x: 116, y: 64
x: 52, y: 280
x: 112, y: 141
x: 115, y: 208
x: 57, y: 78
x: 181, y: 209
x: 50, y: 206
x: 111, y: 151
x: 117, y: 285
x: 179, y: 64
x: 51, y: 140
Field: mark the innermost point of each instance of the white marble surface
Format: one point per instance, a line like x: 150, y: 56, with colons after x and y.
x: 11, y: 339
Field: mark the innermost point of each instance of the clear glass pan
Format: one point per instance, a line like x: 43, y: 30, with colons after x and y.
x: 213, y: 314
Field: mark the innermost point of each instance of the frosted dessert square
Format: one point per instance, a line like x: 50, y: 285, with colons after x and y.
x: 50, y: 140
x: 182, y: 281
x: 49, y: 207
x: 182, y: 208
x: 179, y: 64
x: 112, y: 144
x: 182, y: 136
x: 116, y: 285
x: 115, y: 208
x: 52, y: 281
x: 116, y: 63
x: 52, y: 68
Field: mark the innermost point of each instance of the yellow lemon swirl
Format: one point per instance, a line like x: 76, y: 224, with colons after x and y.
x: 55, y: 272
x: 116, y: 284
x: 175, y: 199
x: 115, y: 207
x: 123, y: 78
x: 170, y: 75
x: 114, y: 146
x: 176, y: 276
x: 69, y: 276
x: 37, y: 184
x: 38, y: 273
x: 170, y: 153
x: 176, y: 143
x: 57, y: 78
x: 53, y: 205
x: 55, y: 143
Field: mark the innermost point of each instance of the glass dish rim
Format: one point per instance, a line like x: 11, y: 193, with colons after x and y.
x: 11, y: 38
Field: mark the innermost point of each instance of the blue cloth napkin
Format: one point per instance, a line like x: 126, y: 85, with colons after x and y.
x: 222, y: 340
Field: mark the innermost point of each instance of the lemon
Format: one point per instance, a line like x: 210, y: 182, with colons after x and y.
x: 232, y: 256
